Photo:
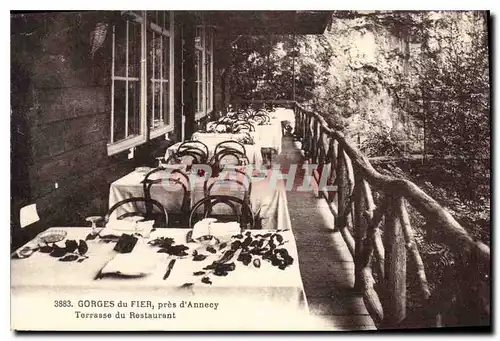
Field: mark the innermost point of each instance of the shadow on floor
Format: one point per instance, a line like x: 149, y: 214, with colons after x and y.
x: 326, y: 266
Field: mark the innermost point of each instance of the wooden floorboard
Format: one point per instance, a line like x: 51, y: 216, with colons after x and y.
x: 326, y: 266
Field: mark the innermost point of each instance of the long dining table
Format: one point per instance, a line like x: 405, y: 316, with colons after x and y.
x: 253, y: 151
x: 267, y: 197
x: 266, y: 136
x: 111, y: 290
x: 270, y: 135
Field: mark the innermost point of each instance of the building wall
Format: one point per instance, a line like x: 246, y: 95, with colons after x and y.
x: 60, y: 120
x: 60, y: 117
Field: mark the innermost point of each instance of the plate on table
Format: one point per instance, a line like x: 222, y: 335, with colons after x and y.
x: 143, y: 170
x: 52, y: 236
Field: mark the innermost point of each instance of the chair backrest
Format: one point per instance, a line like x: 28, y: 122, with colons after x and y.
x: 252, y: 111
x: 227, y: 157
x: 240, y: 126
x: 242, y: 115
x: 188, y: 156
x: 181, y: 179
x: 261, y: 117
x: 135, y: 210
x: 195, y: 146
x: 244, y: 217
x: 222, y: 127
x: 230, y: 144
x: 230, y: 115
x: 240, y: 181
x: 229, y: 119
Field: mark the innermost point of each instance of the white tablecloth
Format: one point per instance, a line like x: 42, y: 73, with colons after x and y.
x: 283, y: 114
x: 248, y: 298
x: 214, y: 138
x: 268, y: 197
x: 269, y: 136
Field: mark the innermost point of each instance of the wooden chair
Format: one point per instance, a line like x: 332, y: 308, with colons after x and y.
x: 230, y: 144
x: 227, y: 157
x: 195, y: 147
x: 147, y: 183
x: 242, y: 126
x: 241, y: 211
x: 229, y: 119
x: 187, y: 156
x: 261, y: 117
x: 146, y: 212
x: 223, y: 126
x: 246, y: 185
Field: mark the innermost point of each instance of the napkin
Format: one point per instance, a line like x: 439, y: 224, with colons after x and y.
x: 116, y: 228
x: 210, y: 227
x: 143, y: 260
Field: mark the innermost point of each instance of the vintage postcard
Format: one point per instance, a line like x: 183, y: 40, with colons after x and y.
x: 250, y: 170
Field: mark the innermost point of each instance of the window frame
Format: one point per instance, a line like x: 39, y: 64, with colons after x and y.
x: 205, y: 100
x: 170, y: 33
x: 198, y: 114
x: 210, y: 51
x: 115, y: 147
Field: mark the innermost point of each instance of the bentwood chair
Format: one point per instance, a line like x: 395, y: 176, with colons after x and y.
x: 195, y: 147
x: 168, y: 181
x: 187, y: 157
x: 242, y: 126
x: 235, y: 209
x: 232, y: 145
x: 237, y: 179
x: 222, y: 127
x: 226, y: 158
x: 139, y: 207
x: 261, y: 117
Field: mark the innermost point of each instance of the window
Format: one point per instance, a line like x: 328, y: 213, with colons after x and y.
x: 209, y: 68
x: 141, y: 92
x: 203, y: 92
x: 199, y: 71
x: 160, y: 72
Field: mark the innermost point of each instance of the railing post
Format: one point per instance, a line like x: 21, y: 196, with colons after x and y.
x: 394, y: 301
x: 341, y: 186
x: 305, y: 138
x: 342, y: 205
x: 309, y: 137
x: 303, y: 127
x: 321, y: 158
x: 332, y: 156
x: 315, y: 142
x: 360, y: 228
x: 299, y: 123
x: 297, y: 119
x: 412, y: 249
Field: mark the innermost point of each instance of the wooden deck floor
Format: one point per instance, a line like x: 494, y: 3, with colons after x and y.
x: 327, y: 267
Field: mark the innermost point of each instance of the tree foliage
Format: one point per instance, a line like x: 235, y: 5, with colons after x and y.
x: 454, y: 82
x: 264, y: 67
x: 452, y: 96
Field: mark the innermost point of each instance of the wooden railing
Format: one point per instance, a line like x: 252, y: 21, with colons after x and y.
x: 380, y: 237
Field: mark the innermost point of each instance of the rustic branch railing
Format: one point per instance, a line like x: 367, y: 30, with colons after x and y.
x: 387, y: 256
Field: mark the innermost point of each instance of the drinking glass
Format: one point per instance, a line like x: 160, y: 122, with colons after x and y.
x: 94, y: 220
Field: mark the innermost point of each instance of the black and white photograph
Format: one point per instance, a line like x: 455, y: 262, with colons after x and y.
x: 250, y: 170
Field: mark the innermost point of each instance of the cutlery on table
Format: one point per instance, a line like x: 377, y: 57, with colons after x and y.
x: 169, y: 268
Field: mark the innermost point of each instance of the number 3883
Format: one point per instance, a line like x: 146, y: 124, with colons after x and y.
x: 62, y: 304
